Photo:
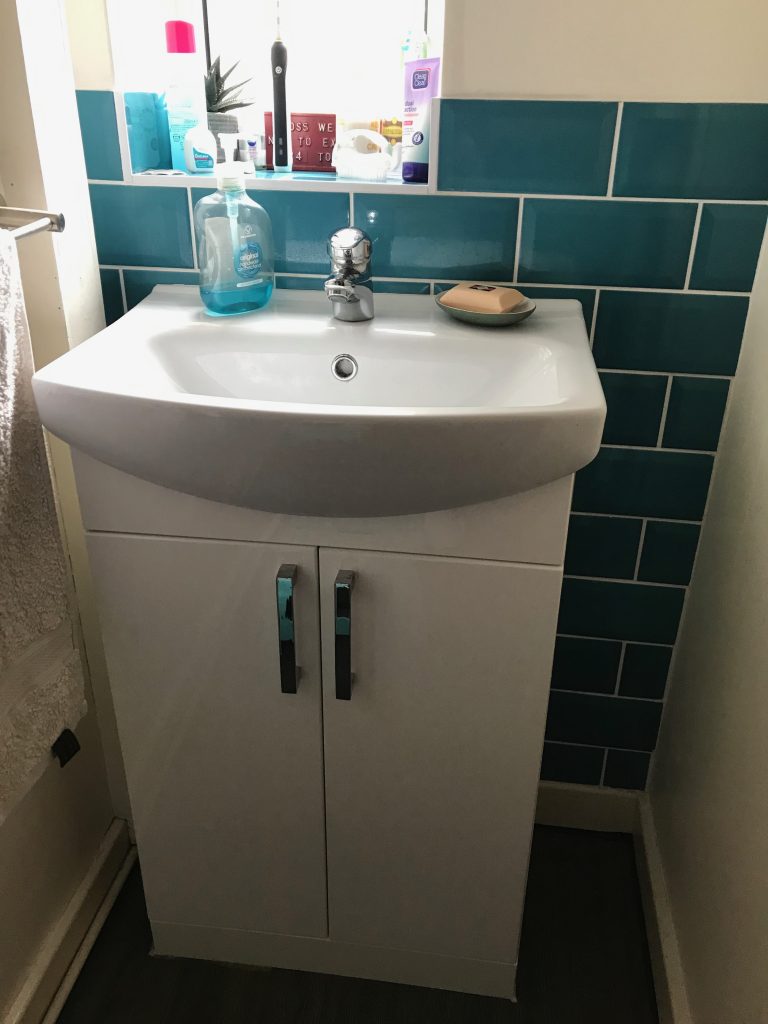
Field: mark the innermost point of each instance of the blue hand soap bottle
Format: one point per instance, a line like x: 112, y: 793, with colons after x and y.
x: 235, y: 249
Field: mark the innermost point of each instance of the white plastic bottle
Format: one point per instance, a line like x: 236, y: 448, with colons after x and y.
x: 193, y: 147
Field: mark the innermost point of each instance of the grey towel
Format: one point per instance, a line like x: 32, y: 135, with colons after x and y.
x: 41, y: 682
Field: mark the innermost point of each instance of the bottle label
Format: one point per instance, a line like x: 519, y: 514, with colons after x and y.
x: 248, y: 261
x: 203, y: 161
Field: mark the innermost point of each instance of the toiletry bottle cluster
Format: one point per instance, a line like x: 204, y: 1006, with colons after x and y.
x: 193, y: 147
x: 371, y: 150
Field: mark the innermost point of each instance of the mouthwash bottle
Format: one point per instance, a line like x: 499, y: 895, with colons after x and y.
x: 236, y: 253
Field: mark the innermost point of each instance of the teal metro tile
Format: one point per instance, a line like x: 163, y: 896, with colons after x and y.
x: 668, y: 552
x: 644, y: 671
x: 518, y: 146
x: 575, y: 241
x: 584, y: 664
x: 635, y: 404
x: 142, y: 225
x: 112, y: 295
x: 676, y: 333
x: 603, y: 721
x: 401, y: 287
x: 602, y: 546
x: 300, y: 284
x: 147, y: 121
x: 693, y: 151
x: 586, y: 296
x: 629, y: 482
x: 440, y: 236
x: 139, y: 283
x: 620, y: 611
x: 626, y: 769
x: 564, y: 762
x: 98, y: 127
x: 727, y: 248
x: 695, y: 413
x: 301, y: 225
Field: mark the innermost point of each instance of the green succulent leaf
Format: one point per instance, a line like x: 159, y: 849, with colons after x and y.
x: 219, y: 99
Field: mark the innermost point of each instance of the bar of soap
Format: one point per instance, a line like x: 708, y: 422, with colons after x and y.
x: 482, y: 298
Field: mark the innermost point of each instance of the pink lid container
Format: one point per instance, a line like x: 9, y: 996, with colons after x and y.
x: 180, y: 37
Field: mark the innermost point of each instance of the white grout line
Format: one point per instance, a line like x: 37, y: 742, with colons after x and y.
x: 600, y: 198
x: 529, y: 284
x: 596, y: 746
x: 191, y: 210
x: 620, y: 667
x: 664, y: 408
x: 602, y: 693
x: 122, y: 290
x: 584, y: 286
x: 639, y: 550
x: 615, y: 147
x: 394, y: 187
x: 694, y: 240
x: 662, y: 373
x: 602, y: 770
x: 593, y: 325
x: 518, y: 239
x: 613, y: 640
x: 650, y: 519
x: 649, y: 448
x: 623, y: 581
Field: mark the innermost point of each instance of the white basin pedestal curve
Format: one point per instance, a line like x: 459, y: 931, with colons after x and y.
x: 248, y: 411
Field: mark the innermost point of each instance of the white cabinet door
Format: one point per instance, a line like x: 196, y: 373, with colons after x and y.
x: 432, y: 764
x: 225, y: 771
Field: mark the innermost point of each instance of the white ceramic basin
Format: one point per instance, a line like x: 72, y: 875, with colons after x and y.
x: 247, y: 410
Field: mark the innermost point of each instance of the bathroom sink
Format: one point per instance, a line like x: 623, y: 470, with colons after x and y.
x: 423, y: 413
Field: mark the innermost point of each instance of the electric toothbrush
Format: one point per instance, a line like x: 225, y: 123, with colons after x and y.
x: 279, y: 56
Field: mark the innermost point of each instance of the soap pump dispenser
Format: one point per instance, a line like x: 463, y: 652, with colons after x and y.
x: 235, y: 244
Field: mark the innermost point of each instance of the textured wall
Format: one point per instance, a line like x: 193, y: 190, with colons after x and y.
x: 709, y: 781
x: 598, y: 49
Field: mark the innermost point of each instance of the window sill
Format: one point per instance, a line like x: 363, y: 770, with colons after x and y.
x: 289, y: 181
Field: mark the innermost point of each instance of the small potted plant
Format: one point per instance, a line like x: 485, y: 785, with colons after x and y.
x: 221, y: 99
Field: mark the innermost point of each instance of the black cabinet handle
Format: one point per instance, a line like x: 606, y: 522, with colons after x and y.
x: 286, y: 629
x: 342, y: 594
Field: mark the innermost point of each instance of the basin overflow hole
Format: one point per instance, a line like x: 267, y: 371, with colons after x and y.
x: 344, y: 367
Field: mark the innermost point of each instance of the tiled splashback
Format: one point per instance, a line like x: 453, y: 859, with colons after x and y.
x: 652, y: 215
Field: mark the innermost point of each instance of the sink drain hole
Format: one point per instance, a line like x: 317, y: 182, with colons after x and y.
x: 344, y: 367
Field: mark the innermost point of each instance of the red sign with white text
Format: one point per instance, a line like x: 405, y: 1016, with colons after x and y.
x: 313, y: 137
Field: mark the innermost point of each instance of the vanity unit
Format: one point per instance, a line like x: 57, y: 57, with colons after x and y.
x: 329, y: 607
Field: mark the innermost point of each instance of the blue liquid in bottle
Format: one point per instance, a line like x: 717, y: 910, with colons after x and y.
x: 235, y: 248
x: 231, y: 301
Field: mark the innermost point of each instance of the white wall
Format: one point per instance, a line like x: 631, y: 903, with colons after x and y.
x: 48, y: 842
x: 607, y: 49
x: 89, y: 43
x: 709, y: 789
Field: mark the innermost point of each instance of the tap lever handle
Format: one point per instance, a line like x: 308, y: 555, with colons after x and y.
x: 350, y: 249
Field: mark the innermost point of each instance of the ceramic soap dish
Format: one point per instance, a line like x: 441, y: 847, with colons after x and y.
x: 516, y: 316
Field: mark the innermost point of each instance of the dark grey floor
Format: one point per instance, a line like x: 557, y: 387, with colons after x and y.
x: 583, y: 960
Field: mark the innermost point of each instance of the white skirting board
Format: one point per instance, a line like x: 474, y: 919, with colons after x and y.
x: 570, y: 806
x: 601, y: 809
x: 55, y: 969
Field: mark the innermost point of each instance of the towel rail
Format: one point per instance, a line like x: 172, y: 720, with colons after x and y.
x: 23, y: 222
